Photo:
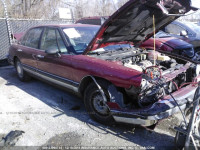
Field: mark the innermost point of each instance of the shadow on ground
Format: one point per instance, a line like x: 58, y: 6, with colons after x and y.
x: 4, y: 63
x: 70, y: 105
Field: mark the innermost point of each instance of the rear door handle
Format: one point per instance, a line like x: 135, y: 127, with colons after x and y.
x: 40, y: 56
x: 19, y: 50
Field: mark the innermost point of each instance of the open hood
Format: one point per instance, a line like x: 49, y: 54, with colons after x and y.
x: 133, y: 22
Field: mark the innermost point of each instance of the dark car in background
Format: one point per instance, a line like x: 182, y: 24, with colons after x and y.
x: 125, y: 84
x: 164, y: 42
x: 95, y: 20
x: 186, y: 31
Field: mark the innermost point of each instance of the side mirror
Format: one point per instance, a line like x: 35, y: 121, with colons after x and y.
x: 52, y: 51
x: 183, y: 33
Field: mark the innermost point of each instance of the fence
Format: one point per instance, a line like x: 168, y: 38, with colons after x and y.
x: 20, y: 25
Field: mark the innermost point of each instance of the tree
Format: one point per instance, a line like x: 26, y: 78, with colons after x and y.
x: 47, y: 9
x: 40, y: 9
x: 121, y: 2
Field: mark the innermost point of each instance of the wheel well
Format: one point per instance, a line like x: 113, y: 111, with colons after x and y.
x: 86, y: 81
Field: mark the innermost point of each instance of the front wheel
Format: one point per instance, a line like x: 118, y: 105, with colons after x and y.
x: 95, y: 105
x: 22, y: 75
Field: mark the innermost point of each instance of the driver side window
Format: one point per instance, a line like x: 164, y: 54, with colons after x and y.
x: 52, y: 40
x: 49, y: 40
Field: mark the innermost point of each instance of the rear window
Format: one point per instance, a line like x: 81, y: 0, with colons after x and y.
x: 32, y: 38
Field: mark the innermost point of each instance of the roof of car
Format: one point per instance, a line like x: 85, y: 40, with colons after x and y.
x: 94, y: 17
x: 68, y: 25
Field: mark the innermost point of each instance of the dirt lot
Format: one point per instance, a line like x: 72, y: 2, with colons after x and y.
x: 52, y: 117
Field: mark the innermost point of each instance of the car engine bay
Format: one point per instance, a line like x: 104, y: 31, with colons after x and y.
x: 161, y: 74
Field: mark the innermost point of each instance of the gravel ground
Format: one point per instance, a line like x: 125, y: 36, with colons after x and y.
x: 53, y: 117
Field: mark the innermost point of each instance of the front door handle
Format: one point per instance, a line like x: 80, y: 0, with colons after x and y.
x: 40, y: 56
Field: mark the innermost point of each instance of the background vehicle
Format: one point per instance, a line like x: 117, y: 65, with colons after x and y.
x: 164, y: 42
x: 186, y: 31
x: 127, y: 84
x: 95, y: 20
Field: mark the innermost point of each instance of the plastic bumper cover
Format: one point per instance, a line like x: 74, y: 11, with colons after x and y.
x: 158, y: 111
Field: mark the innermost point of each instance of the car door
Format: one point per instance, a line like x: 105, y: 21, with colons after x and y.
x: 56, y: 67
x: 28, y: 47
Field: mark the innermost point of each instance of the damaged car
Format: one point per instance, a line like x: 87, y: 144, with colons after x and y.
x: 126, y: 84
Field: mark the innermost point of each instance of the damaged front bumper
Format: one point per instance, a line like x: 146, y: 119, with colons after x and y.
x: 158, y: 111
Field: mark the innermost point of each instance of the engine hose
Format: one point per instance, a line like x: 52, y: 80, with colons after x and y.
x: 175, y: 85
x: 194, y: 83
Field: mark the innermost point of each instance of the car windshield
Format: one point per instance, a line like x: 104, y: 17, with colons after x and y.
x: 193, y: 27
x: 80, y: 37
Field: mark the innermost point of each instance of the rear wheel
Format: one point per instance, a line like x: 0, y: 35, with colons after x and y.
x: 22, y: 75
x: 95, y: 105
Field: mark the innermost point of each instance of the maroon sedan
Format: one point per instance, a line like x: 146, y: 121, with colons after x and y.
x: 121, y: 83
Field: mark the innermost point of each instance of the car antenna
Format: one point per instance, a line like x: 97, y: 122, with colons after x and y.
x: 154, y: 38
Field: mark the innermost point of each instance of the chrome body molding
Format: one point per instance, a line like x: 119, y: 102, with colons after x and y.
x: 135, y: 121
x: 67, y: 83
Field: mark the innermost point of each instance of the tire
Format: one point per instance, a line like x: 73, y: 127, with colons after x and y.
x: 22, y: 75
x: 93, y: 101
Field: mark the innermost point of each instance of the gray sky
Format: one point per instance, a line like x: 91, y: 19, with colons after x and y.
x: 196, y: 3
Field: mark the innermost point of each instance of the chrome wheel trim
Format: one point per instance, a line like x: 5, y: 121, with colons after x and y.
x: 98, y: 103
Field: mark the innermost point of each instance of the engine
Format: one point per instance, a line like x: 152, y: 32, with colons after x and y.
x: 142, y: 61
x: 161, y: 74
